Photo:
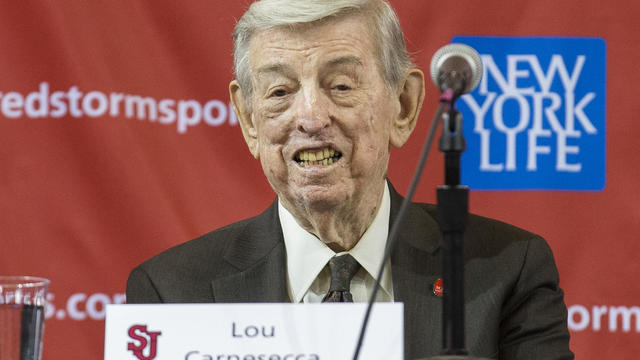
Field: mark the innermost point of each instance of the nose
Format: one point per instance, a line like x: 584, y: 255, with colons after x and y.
x: 313, y: 112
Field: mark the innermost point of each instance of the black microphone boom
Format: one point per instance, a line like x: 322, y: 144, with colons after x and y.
x: 456, y: 69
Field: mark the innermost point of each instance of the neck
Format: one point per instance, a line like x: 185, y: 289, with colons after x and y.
x: 340, y: 227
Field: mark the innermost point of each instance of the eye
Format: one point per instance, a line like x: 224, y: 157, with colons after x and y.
x: 342, y: 87
x: 278, y: 93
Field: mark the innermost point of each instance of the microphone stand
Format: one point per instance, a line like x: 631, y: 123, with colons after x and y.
x: 453, y: 211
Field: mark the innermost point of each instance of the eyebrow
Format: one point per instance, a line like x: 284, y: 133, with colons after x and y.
x: 344, y: 60
x: 278, y: 68
x: 284, y: 69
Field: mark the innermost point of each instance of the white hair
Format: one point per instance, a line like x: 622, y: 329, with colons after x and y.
x: 394, y: 60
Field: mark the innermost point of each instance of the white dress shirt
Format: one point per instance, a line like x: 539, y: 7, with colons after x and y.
x: 308, y: 276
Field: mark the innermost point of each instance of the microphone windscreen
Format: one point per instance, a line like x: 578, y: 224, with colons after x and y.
x: 459, y: 58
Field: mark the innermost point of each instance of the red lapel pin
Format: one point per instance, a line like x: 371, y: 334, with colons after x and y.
x: 437, y: 287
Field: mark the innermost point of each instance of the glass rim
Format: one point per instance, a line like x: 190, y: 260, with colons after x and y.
x: 23, y: 281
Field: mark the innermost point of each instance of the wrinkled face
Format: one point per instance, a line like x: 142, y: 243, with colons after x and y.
x: 322, y: 112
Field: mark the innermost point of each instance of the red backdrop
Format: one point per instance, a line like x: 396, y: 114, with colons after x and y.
x: 90, y: 185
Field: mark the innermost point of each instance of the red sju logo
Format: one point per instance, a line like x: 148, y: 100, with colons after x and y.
x: 144, y: 338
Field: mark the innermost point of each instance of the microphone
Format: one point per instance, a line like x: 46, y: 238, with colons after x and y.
x: 457, y: 68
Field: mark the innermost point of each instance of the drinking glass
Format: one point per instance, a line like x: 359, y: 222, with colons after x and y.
x: 22, y: 305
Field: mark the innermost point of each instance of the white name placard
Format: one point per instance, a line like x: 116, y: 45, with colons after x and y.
x: 252, y: 332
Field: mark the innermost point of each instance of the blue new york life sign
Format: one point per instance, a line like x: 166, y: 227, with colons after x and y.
x: 536, y: 121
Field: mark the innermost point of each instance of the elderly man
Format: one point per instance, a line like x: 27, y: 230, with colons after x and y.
x: 324, y: 89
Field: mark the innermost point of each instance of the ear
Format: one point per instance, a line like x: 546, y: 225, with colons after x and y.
x: 245, y: 119
x: 410, y: 97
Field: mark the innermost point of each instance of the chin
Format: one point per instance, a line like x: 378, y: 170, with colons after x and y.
x: 320, y: 198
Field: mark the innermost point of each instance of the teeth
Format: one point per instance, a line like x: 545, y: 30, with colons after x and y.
x: 326, y: 156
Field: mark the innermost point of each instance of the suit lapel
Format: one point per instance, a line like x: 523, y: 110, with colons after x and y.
x: 257, y: 263
x: 416, y: 266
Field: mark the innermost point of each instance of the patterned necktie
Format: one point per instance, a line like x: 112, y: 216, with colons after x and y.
x: 343, y: 268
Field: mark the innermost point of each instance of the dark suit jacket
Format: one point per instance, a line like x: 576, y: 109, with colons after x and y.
x: 514, y: 308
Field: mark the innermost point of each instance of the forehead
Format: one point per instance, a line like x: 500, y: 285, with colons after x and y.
x: 313, y: 44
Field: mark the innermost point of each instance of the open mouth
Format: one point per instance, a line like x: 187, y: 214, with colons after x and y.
x: 326, y: 156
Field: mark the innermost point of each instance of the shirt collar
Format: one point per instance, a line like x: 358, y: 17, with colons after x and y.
x: 307, y: 255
